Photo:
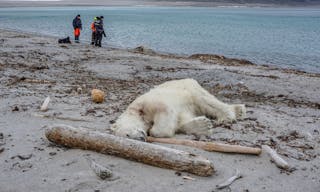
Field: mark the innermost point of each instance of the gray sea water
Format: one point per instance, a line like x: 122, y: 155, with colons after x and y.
x: 285, y: 37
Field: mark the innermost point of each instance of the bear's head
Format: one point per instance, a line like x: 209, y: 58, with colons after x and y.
x: 131, y: 126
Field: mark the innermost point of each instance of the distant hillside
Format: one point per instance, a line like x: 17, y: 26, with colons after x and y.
x: 275, y: 2
x: 205, y: 3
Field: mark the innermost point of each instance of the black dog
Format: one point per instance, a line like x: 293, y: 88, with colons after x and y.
x: 65, y: 40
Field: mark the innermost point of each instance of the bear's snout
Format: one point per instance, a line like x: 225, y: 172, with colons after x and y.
x: 139, y: 135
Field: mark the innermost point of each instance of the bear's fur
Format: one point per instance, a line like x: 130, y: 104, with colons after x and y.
x: 174, y: 106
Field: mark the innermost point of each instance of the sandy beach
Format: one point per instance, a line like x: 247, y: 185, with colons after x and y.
x: 283, y: 112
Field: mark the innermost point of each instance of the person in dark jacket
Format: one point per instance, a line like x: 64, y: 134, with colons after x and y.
x: 99, y: 31
x: 77, y: 26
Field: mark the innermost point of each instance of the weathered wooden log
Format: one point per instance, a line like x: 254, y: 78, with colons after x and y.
x: 147, y: 153
x: 208, y: 146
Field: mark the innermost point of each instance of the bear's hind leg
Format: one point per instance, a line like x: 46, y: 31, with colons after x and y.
x: 210, y: 106
x: 197, y: 126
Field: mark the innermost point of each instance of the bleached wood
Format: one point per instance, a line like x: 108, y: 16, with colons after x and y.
x: 208, y: 146
x: 229, y: 181
x: 45, y: 105
x: 281, y: 163
x: 130, y: 149
x: 60, y: 117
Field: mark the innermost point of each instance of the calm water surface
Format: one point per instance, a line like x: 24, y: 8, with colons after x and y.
x: 285, y: 37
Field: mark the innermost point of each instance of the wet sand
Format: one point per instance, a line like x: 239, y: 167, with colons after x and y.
x: 283, y: 112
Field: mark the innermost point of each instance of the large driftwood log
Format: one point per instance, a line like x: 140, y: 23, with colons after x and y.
x: 130, y: 149
x: 208, y: 146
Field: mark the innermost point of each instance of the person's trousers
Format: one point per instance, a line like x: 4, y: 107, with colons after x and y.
x: 76, y: 34
x: 98, y: 39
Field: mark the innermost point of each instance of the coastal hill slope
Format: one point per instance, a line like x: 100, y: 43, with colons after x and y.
x: 251, y: 1
x: 15, y: 3
x: 246, y: 2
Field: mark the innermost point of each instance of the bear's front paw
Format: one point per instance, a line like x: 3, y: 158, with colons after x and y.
x: 229, y: 117
x: 240, y: 111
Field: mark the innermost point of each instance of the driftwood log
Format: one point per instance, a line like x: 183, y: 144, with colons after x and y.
x: 208, y: 146
x: 130, y: 149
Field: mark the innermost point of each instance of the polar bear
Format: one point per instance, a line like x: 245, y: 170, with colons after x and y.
x: 174, y: 106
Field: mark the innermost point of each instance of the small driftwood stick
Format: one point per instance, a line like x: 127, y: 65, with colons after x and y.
x: 99, y: 170
x: 60, y: 117
x: 281, y: 163
x: 229, y: 181
x: 208, y: 146
x: 44, y: 106
x: 130, y: 149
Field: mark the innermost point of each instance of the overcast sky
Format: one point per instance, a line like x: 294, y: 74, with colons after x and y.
x: 30, y: 0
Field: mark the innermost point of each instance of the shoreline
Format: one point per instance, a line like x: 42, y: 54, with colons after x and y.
x: 283, y: 111
x: 211, y: 58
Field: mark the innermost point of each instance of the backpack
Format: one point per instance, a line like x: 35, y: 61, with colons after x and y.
x: 65, y: 40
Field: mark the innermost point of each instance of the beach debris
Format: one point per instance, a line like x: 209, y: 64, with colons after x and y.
x: 79, y: 90
x: 188, y: 178
x: 97, y: 95
x: 281, y: 163
x: 38, y: 81
x: 101, y: 171
x: 2, y: 142
x: 15, y: 108
x: 1, y: 149
x: 144, y: 50
x: 45, y: 104
x: 23, y: 166
x: 52, y: 153
x: 230, y: 180
x: 60, y: 117
x: 24, y: 157
x: 147, y: 153
x: 208, y: 146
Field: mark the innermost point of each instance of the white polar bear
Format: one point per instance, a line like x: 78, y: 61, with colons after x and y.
x: 174, y: 106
